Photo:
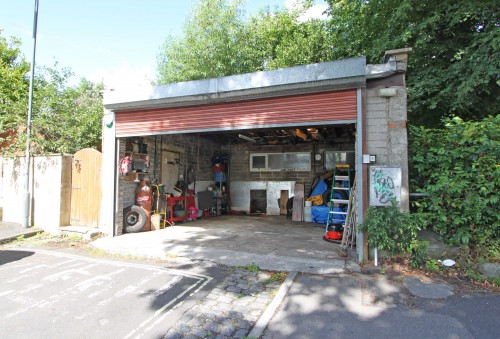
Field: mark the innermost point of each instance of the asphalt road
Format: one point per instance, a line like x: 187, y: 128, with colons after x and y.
x: 52, y: 294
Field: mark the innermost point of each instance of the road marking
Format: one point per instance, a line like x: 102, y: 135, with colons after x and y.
x: 103, y: 280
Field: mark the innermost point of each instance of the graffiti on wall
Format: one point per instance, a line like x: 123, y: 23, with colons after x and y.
x: 385, y: 185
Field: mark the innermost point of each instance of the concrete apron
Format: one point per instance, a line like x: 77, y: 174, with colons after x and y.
x: 272, y: 242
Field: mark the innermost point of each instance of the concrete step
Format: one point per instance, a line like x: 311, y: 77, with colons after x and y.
x: 84, y: 232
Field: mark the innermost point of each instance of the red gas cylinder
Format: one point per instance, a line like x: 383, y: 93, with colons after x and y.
x: 143, y: 198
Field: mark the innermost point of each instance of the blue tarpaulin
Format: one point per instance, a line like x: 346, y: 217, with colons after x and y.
x: 320, y: 188
x: 320, y: 214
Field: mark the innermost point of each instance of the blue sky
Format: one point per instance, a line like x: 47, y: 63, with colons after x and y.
x: 115, y: 41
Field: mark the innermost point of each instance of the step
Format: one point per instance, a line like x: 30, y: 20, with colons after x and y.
x: 335, y: 212
x: 341, y: 188
x: 86, y: 233
x: 339, y: 201
x: 341, y: 177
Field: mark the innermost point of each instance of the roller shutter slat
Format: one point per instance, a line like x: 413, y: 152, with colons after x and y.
x: 306, y: 108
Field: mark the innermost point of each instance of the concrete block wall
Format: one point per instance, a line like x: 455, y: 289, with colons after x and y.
x: 386, y: 133
x: 240, y: 162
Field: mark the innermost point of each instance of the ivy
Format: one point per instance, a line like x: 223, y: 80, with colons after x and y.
x: 458, y: 167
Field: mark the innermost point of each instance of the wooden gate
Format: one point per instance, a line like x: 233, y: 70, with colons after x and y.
x: 86, y: 188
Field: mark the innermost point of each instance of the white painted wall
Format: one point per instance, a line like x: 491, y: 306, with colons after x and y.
x: 50, y: 191
x: 108, y: 180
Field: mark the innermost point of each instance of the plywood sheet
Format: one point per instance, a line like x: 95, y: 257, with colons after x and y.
x: 283, y: 201
x: 298, y: 203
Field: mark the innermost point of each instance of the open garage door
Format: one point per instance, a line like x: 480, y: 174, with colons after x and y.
x: 299, y: 110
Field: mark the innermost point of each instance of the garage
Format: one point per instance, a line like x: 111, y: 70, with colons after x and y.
x: 245, y: 144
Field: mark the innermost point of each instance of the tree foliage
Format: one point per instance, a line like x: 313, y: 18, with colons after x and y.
x: 281, y: 39
x: 455, y: 65
x: 68, y: 118
x: 458, y: 167
x: 14, y: 84
x: 212, y: 44
x: 65, y: 118
x: 218, y: 40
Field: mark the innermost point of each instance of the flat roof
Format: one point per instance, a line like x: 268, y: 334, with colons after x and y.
x: 332, y: 75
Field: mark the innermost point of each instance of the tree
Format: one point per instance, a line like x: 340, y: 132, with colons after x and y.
x: 64, y: 119
x: 69, y: 117
x: 14, y: 83
x: 217, y: 40
x: 455, y: 65
x: 212, y: 44
x: 281, y: 39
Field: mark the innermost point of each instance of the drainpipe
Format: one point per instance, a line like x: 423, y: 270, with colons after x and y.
x: 360, y: 171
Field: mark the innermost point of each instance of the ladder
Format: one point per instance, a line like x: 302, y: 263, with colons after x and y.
x: 339, y: 208
x: 351, y: 229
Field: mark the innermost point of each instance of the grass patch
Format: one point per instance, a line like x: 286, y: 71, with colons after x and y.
x: 275, y: 276
x: 253, y: 267
x: 495, y: 281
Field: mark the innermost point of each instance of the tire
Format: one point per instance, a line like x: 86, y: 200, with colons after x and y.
x: 134, y: 219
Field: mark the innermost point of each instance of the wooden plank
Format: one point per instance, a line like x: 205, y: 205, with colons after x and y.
x: 298, y: 203
x: 86, y: 188
x: 283, y: 201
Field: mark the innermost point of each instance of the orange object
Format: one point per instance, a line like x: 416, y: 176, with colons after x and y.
x: 333, y: 235
x: 143, y: 198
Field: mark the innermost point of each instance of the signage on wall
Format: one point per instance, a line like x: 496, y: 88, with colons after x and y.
x: 385, y: 185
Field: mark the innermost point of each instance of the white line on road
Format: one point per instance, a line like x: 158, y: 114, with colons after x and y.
x: 157, y: 317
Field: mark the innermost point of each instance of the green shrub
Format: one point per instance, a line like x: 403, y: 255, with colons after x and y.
x: 390, y: 229
x: 458, y: 167
x: 418, y: 250
x: 432, y: 265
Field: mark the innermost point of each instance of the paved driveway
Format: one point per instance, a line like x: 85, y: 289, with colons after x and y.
x: 51, y: 294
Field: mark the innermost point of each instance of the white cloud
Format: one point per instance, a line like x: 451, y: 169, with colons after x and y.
x: 123, y: 76
x: 315, y: 12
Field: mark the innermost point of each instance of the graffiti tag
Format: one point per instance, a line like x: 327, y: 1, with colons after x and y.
x: 385, y: 186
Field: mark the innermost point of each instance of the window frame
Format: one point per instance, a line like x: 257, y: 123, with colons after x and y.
x: 284, y: 169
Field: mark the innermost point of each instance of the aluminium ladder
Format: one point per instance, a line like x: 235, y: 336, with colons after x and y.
x: 338, y: 208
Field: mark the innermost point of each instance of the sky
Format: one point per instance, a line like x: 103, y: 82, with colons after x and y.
x: 113, y: 41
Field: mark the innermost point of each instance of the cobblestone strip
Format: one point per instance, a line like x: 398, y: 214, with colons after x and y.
x: 230, y: 310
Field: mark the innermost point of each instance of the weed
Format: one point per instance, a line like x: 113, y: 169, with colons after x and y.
x: 383, y: 270
x: 72, y: 237
x: 474, y: 274
x: 432, y: 265
x: 495, y: 281
x: 275, y: 276
x: 418, y: 250
x: 252, y: 267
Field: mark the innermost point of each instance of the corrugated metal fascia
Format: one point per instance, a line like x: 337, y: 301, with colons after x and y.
x: 332, y: 75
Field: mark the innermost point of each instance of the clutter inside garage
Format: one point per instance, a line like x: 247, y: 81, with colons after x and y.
x: 179, y: 178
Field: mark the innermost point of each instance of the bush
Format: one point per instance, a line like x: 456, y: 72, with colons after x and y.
x: 458, y: 167
x: 390, y: 229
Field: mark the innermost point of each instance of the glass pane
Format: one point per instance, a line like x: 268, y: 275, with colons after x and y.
x: 258, y: 161
x: 333, y: 158
x: 290, y: 161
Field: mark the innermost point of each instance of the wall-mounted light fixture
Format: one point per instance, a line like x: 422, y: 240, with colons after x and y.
x: 244, y: 137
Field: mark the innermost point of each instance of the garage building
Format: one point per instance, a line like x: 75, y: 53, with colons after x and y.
x: 254, y: 139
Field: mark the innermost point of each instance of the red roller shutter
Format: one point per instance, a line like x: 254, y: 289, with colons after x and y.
x: 261, y: 113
